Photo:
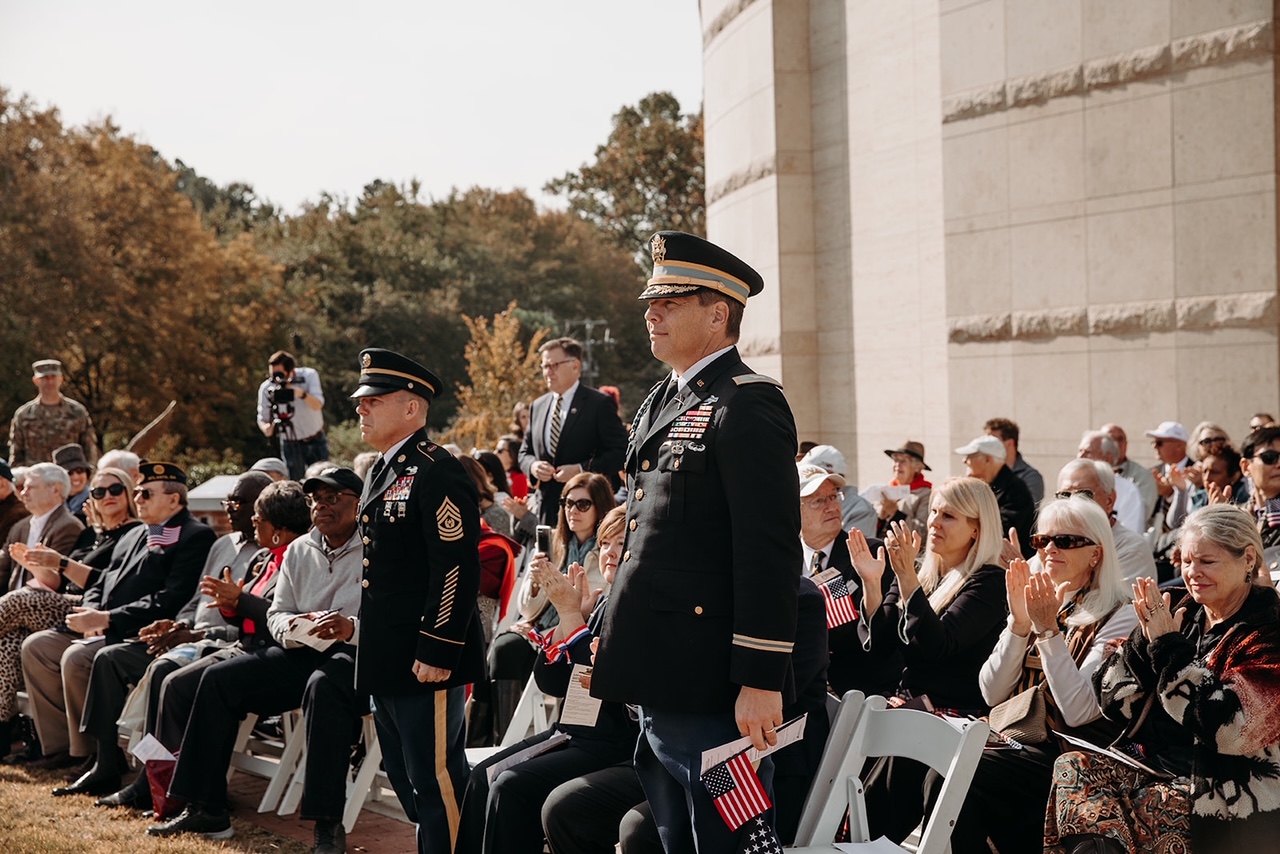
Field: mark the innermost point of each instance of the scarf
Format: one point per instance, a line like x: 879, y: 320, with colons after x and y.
x: 917, y: 482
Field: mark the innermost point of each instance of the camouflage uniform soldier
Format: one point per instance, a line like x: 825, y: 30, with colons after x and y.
x: 49, y: 421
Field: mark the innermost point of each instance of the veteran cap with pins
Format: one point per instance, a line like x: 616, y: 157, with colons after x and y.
x: 151, y: 471
x: 384, y: 371
x: 684, y: 263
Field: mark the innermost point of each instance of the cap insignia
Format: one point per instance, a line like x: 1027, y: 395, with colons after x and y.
x: 158, y: 469
x: 366, y: 360
x: 659, y: 248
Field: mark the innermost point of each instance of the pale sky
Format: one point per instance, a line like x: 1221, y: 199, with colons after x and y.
x: 298, y: 98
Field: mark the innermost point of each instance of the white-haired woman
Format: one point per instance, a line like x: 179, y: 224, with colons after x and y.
x: 946, y: 618
x: 1061, y: 621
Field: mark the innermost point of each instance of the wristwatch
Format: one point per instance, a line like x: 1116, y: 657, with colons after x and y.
x: 62, y: 563
x: 1047, y: 634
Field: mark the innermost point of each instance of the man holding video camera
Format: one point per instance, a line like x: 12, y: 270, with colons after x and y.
x: 291, y: 408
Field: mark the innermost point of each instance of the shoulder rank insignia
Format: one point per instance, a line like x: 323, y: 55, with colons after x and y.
x: 425, y: 448
x: 449, y: 521
x: 747, y: 379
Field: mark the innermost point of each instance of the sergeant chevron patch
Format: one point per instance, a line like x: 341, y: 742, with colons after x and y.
x: 449, y: 521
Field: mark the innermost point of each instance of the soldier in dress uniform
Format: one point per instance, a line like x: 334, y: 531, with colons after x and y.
x: 420, y: 635
x: 702, y: 619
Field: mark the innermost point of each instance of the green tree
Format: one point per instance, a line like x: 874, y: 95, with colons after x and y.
x: 649, y: 175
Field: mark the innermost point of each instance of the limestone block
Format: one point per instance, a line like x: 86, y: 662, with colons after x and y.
x: 1225, y: 245
x: 1111, y: 27
x: 1224, y: 129
x: 1050, y: 323
x: 980, y: 327
x: 975, y: 170
x: 1127, y: 146
x: 1130, y: 318
x: 1038, y: 88
x: 974, y: 102
x: 1227, y: 312
x: 1130, y: 254
x: 1047, y: 260
x: 1046, y: 160
x: 978, y: 272
x: 1042, y: 35
x: 974, y: 53
x: 1123, y: 68
x: 1193, y: 17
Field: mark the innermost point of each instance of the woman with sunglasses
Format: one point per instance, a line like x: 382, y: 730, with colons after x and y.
x: 586, y: 498
x: 44, y: 602
x: 1062, y: 619
x: 1196, y: 687
x: 1260, y: 462
x: 946, y: 619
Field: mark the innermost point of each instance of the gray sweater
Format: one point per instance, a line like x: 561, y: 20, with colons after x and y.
x: 311, y: 580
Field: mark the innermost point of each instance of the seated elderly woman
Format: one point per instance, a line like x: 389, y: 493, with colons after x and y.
x: 947, y: 620
x: 48, y: 596
x: 1061, y: 621
x: 908, y: 470
x: 1196, y: 686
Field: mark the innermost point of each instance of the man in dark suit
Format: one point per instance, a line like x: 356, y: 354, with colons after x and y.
x: 572, y: 428
x: 421, y: 641
x: 44, y: 495
x: 984, y: 459
x: 873, y: 671
x: 153, y: 573
x: 703, y: 620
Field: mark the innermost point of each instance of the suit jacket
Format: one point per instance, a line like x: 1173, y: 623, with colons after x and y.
x: 705, y: 597
x: 1017, y: 508
x: 143, y: 585
x: 872, y: 671
x: 12, y: 511
x: 591, y: 435
x: 420, y: 521
x: 60, y: 534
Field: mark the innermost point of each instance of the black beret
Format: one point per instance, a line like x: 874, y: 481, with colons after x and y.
x: 384, y: 371
x: 684, y: 263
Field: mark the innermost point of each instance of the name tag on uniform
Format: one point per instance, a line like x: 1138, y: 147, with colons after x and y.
x: 399, y: 491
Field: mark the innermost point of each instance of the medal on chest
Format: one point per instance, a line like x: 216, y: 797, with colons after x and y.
x: 691, y: 424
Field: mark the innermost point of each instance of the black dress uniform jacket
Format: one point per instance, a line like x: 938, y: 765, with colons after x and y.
x: 705, y: 597
x: 421, y: 529
x: 145, y: 584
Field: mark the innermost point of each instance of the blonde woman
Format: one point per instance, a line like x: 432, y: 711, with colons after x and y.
x: 947, y: 619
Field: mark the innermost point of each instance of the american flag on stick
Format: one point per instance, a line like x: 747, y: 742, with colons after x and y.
x: 159, y: 537
x: 840, y: 607
x: 736, y: 791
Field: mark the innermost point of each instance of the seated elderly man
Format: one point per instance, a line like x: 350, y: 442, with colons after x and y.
x: 856, y: 511
x: 313, y: 619
x: 1130, y: 509
x: 1131, y: 471
x: 153, y: 572
x: 1097, y: 481
x: 984, y: 458
x: 49, y: 523
x: 875, y: 671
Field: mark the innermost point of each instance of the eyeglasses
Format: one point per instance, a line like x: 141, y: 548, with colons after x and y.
x: 100, y: 492
x: 825, y: 500
x: 1267, y: 458
x: 1213, y: 440
x: 1156, y: 443
x: 551, y: 366
x: 327, y: 499
x: 1040, y: 542
x: 145, y: 494
x: 582, y: 505
x: 231, y: 505
x: 1064, y: 494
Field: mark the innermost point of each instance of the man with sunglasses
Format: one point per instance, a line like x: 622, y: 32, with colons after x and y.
x: 572, y: 428
x: 1260, y: 461
x: 1095, y: 480
x: 153, y: 573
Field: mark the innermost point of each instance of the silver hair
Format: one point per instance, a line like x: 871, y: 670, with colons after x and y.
x: 1105, y: 591
x: 1227, y: 526
x: 121, y: 459
x: 1106, y: 477
x: 1106, y: 444
x: 51, y: 473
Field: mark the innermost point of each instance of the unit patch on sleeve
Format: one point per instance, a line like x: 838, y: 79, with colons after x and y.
x: 449, y: 521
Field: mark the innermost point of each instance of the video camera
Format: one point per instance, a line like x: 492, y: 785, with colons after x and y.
x: 280, y: 394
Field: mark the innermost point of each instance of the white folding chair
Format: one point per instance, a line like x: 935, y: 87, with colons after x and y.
x: 531, y: 716
x: 358, y: 785
x: 844, y: 718
x: 950, y: 747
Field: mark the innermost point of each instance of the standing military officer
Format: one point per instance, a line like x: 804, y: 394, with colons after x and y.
x: 420, y: 636
x: 703, y: 611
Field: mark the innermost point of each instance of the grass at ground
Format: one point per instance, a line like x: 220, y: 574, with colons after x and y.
x: 34, y: 822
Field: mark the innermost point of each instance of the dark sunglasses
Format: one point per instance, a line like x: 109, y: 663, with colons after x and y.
x: 145, y: 494
x: 1040, y: 542
x: 1267, y: 458
x: 1157, y: 443
x: 1067, y: 493
x: 582, y: 505
x: 231, y: 505
x: 328, y: 499
x: 1213, y: 440
x: 101, y: 492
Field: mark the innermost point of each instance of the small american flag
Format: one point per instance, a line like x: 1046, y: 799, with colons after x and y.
x: 736, y: 791
x: 840, y: 608
x: 760, y: 839
x: 1271, y: 513
x: 159, y: 537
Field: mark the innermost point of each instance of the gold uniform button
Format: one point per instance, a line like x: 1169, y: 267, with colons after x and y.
x: 400, y: 458
x: 366, y: 561
x: 697, y: 609
x: 366, y: 541
x: 364, y: 583
x: 364, y: 518
x: 627, y: 555
x: 644, y: 466
x: 634, y: 525
x: 639, y: 495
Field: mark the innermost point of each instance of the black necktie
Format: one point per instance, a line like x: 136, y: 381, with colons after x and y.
x: 378, y: 468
